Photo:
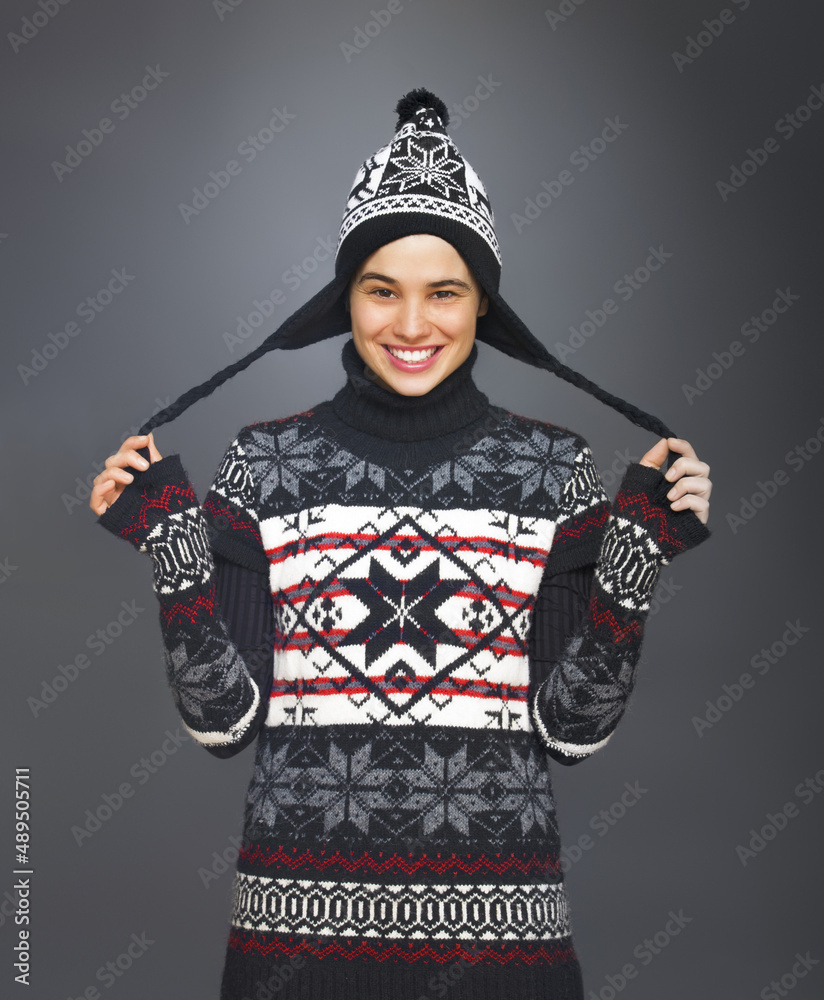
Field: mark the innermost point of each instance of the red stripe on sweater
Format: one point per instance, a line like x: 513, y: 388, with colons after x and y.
x: 325, y: 541
x: 347, y: 685
x: 380, y: 950
x: 266, y: 857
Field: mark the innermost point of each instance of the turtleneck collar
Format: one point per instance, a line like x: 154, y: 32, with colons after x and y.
x: 452, y: 405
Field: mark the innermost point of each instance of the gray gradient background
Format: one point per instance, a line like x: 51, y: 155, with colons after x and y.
x: 64, y: 578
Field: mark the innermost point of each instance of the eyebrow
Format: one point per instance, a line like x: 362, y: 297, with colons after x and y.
x: 374, y: 276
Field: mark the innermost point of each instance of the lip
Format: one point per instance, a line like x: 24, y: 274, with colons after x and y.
x: 413, y: 366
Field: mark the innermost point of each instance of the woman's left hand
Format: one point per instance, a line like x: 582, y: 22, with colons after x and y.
x: 690, y: 478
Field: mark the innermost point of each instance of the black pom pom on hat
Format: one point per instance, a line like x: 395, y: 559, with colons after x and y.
x: 416, y: 100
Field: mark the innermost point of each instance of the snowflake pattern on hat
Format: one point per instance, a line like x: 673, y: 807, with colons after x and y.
x: 420, y: 172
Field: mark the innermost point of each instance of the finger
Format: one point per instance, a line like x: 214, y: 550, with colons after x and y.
x: 682, y: 447
x: 126, y: 457
x: 697, y: 485
x: 106, y: 491
x: 687, y: 467
x: 136, y: 441
x: 154, y: 454
x: 120, y: 475
x: 100, y: 503
x: 117, y: 478
x: 129, y: 448
x: 699, y: 505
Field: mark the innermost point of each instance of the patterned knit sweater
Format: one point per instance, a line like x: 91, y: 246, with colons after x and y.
x: 400, y: 836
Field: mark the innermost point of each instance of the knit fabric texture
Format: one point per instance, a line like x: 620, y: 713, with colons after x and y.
x: 420, y: 183
x: 400, y: 835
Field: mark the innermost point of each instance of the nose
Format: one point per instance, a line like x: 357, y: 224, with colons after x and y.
x: 411, y: 323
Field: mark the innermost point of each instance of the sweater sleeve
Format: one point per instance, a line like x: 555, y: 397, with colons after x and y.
x: 559, y: 610
x: 245, y: 602
x: 576, y: 707
x: 216, y: 691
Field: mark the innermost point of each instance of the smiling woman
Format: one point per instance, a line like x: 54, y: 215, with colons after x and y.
x: 412, y: 600
x: 414, y: 305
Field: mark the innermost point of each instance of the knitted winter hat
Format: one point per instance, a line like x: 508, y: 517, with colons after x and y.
x: 418, y: 183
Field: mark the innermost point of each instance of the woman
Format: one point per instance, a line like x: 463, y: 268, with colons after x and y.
x: 450, y: 598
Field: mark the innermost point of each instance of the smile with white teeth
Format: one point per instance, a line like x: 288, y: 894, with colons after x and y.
x: 412, y: 356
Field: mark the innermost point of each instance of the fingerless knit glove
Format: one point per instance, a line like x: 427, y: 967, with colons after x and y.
x: 576, y: 709
x: 215, y: 694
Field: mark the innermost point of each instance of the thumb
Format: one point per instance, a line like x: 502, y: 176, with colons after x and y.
x: 657, y: 455
x: 154, y: 454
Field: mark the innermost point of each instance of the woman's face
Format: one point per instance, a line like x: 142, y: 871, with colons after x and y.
x: 413, y: 305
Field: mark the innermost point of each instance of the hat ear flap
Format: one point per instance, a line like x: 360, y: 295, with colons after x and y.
x: 503, y: 329
x: 324, y: 316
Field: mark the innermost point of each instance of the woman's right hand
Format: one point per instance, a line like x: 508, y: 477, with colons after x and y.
x: 110, y: 483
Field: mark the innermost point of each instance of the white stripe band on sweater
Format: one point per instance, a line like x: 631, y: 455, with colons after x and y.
x: 530, y: 912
